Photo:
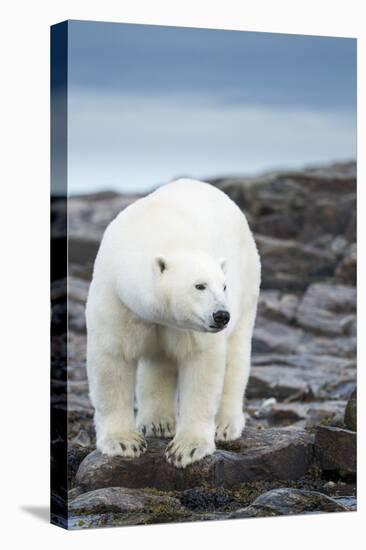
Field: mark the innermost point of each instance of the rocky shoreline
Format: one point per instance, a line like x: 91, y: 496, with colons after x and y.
x: 298, y: 452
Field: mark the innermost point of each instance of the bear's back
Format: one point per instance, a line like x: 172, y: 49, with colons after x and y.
x: 185, y: 213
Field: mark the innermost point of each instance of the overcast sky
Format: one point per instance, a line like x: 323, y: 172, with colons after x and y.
x: 147, y: 104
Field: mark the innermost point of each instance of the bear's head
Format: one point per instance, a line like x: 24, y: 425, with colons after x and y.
x: 191, y: 290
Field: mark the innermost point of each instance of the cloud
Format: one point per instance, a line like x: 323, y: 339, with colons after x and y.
x: 133, y: 143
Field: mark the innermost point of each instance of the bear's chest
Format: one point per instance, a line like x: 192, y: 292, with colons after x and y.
x: 152, y: 340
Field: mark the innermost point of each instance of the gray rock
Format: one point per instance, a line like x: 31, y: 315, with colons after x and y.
x: 341, y: 346
x: 79, y: 403
x: 278, y: 306
x: 76, y: 349
x: 122, y: 506
x: 274, y: 337
x: 339, y: 245
x: 349, y: 501
x: 290, y: 265
x: 350, y: 415
x: 78, y: 396
x: 74, y: 492
x: 295, y: 382
x: 80, y: 271
x: 328, y: 309
x: 78, y: 289
x: 329, y: 213
x: 304, y: 360
x: 75, y: 455
x: 82, y: 439
x: 277, y: 453
x: 76, y: 317
x: 279, y: 382
x: 77, y: 387
x: 76, y: 372
x: 81, y: 421
x: 285, y: 501
x: 83, y: 249
x: 281, y: 225
x: 346, y: 270
x: 330, y: 413
x: 118, y: 499
x: 336, y: 449
x: 297, y: 204
x: 301, y: 414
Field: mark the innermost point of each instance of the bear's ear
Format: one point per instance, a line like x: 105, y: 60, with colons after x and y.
x: 160, y: 264
x: 222, y: 263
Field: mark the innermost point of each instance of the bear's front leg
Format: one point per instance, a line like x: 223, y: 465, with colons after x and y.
x: 230, y: 419
x: 200, y: 385
x: 112, y: 386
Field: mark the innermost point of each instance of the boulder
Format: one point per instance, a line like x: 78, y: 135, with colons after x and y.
x: 305, y: 360
x: 278, y: 306
x: 75, y: 454
x: 341, y: 346
x: 291, y: 265
x: 76, y: 316
x: 118, y: 499
x: 273, y: 337
x: 276, y: 337
x: 78, y: 401
x: 291, y: 381
x: 346, y: 270
x: 81, y: 429
x: 307, y: 414
x: 336, y: 450
x: 289, y: 501
x: 280, y: 382
x: 328, y: 309
x: 122, y: 506
x: 350, y: 415
x: 297, y: 204
x: 276, y: 453
x: 328, y: 213
x: 78, y: 289
x: 76, y: 372
x: 76, y: 348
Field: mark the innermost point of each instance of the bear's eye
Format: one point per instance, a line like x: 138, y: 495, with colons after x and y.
x: 224, y: 287
x: 200, y: 286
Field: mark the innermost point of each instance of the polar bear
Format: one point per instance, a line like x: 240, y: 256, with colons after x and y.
x: 170, y: 314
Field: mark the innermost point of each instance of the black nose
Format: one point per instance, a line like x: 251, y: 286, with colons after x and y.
x: 221, y: 317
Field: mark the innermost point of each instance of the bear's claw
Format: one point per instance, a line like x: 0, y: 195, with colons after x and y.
x: 230, y: 428
x: 181, y: 452
x: 163, y: 428
x: 129, y: 445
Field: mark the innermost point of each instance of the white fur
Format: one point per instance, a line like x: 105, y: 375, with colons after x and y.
x: 145, y: 311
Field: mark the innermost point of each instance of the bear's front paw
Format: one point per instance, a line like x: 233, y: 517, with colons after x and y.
x: 184, y: 450
x: 230, y: 427
x: 157, y: 427
x: 128, y: 444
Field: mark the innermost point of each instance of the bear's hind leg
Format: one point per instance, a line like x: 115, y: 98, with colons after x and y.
x: 156, y: 393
